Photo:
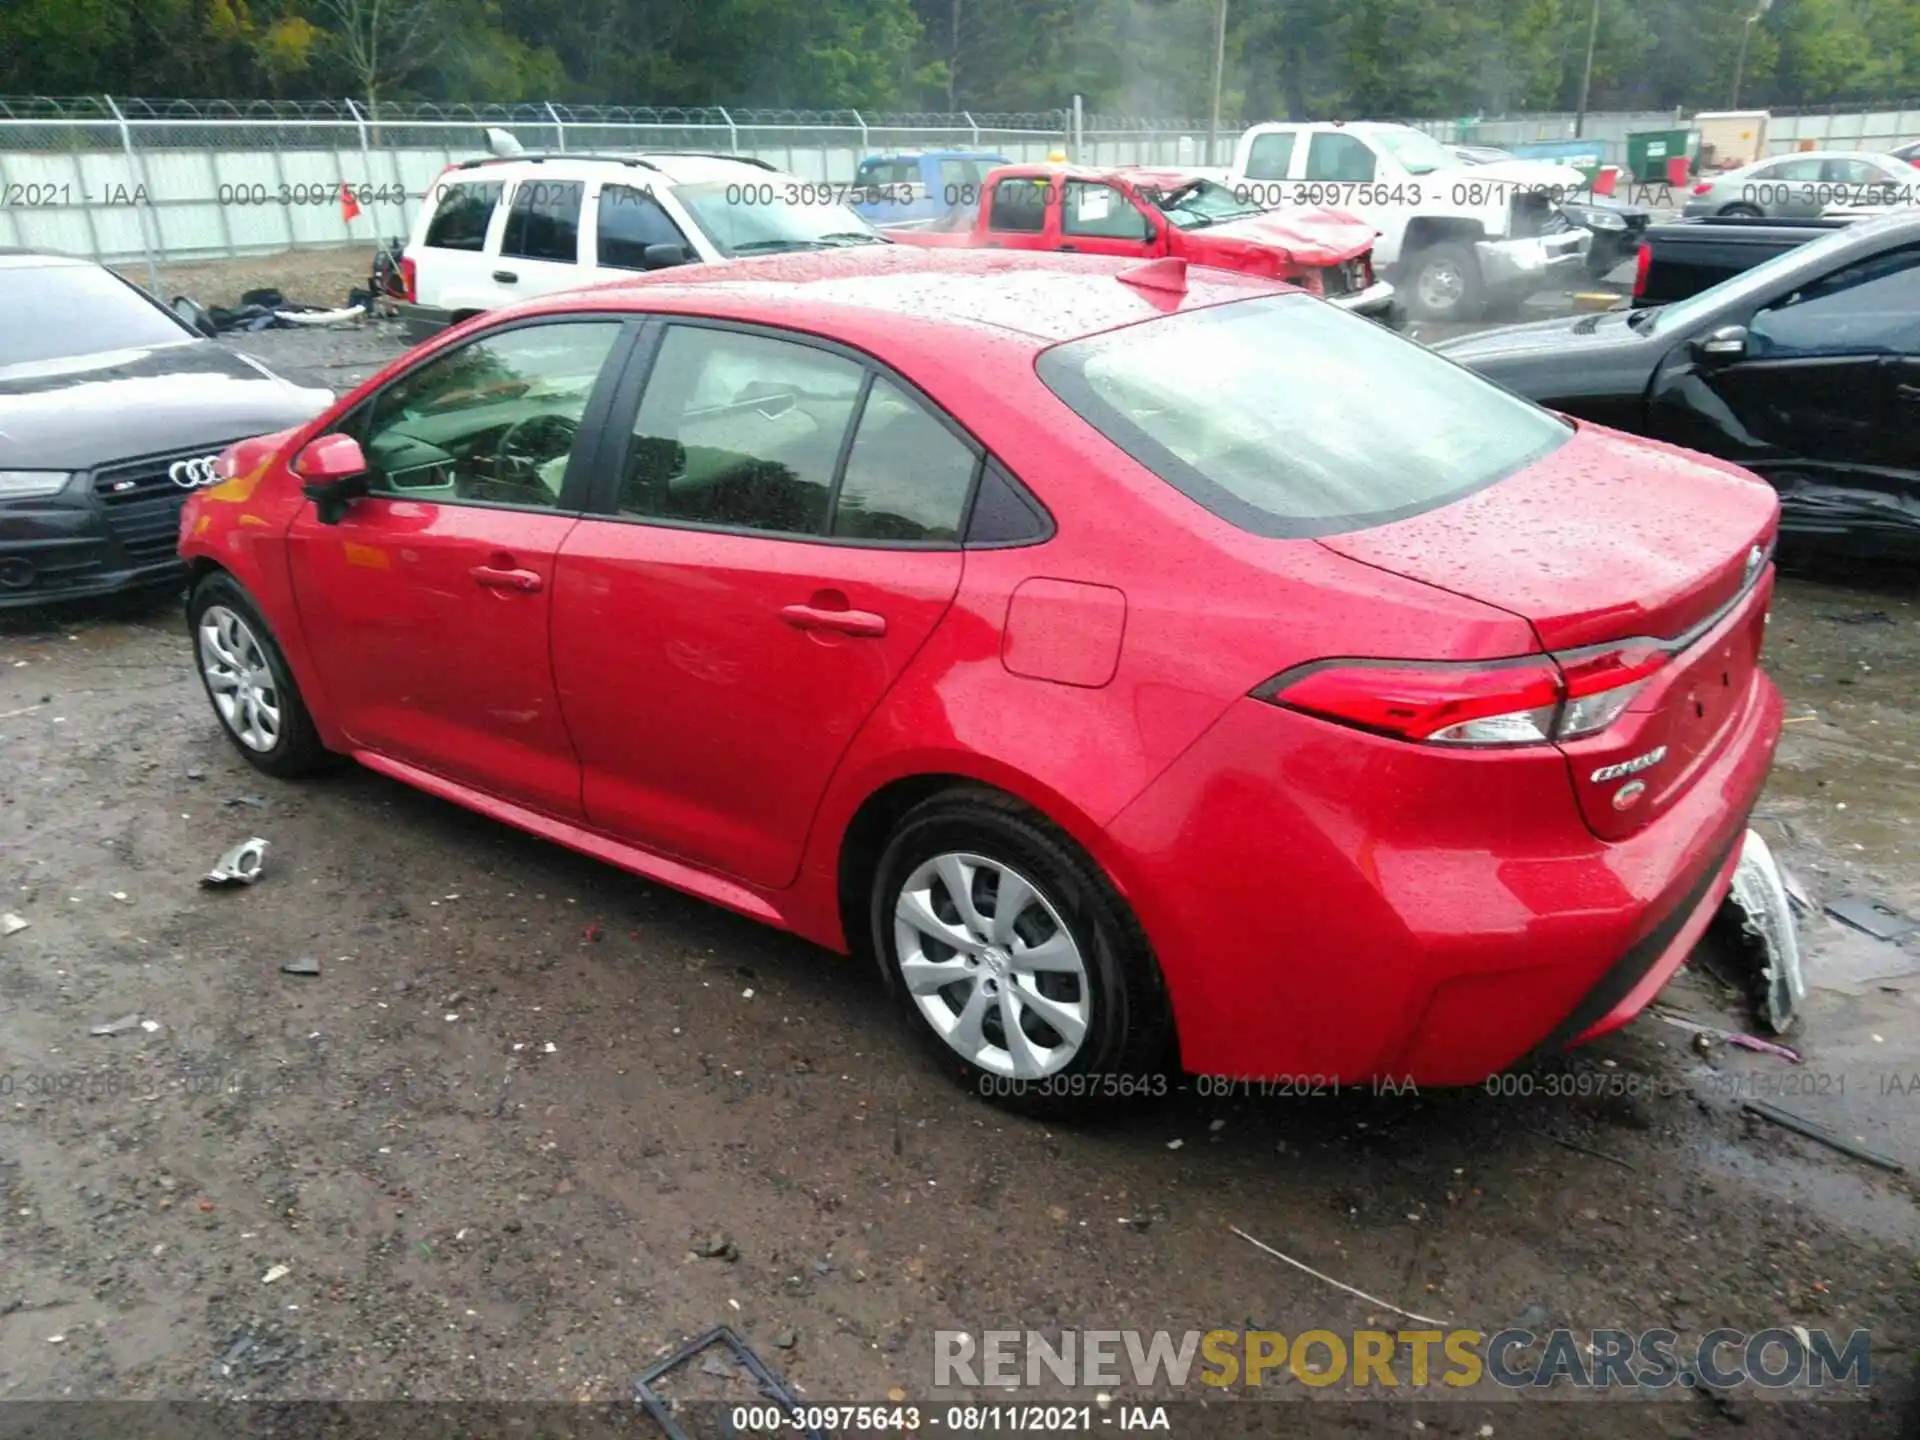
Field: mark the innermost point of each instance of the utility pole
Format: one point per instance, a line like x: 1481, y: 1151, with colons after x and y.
x: 1219, y: 75
x: 1746, y: 36
x: 1586, y: 75
x: 953, y: 54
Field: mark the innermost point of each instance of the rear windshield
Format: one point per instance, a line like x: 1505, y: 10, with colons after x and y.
x: 1286, y: 416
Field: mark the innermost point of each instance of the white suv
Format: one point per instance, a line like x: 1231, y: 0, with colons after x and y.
x: 494, y: 231
x: 1455, y: 238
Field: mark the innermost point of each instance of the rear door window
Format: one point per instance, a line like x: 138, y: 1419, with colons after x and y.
x: 888, y: 173
x: 461, y: 218
x: 1268, y: 413
x: 741, y: 431
x: 908, y: 476
x: 1270, y: 156
x: 1020, y: 206
x: 1335, y: 156
x: 544, y: 222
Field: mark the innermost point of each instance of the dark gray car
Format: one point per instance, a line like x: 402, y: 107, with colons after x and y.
x: 112, y: 410
x: 1805, y: 186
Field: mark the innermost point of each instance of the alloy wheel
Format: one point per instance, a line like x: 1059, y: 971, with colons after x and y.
x: 991, y: 965
x: 239, y: 678
x: 1441, y: 286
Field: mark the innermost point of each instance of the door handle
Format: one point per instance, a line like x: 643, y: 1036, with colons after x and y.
x: 1074, y: 248
x: 506, y: 277
x: 497, y: 577
x: 847, y: 622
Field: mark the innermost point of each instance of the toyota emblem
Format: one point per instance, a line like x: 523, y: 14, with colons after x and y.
x: 192, y: 474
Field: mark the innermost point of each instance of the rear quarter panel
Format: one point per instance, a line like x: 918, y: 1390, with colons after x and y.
x: 1210, y: 613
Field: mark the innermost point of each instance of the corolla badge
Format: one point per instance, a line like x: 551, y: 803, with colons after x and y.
x: 194, y: 473
x: 1630, y: 767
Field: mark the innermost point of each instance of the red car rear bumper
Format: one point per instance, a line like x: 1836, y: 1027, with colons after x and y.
x: 1330, y: 904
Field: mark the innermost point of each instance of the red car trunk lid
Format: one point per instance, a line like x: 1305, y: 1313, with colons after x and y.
x: 1606, y: 538
x: 1613, y: 538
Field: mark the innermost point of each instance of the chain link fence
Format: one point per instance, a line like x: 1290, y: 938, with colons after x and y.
x: 175, y: 180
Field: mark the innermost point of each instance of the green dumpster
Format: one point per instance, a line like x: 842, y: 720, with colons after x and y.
x: 1649, y: 151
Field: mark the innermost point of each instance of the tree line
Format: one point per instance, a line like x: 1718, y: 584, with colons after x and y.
x: 1294, y: 58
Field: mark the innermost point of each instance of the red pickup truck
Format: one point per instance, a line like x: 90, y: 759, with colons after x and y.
x: 1150, y: 213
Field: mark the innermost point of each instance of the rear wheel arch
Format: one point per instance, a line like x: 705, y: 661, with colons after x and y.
x: 874, y: 820
x: 1129, y: 1049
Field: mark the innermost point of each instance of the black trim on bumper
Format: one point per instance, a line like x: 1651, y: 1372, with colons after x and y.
x: 1632, y: 968
x: 422, y: 322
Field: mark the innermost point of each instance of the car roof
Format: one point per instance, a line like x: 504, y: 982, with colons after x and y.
x: 1152, y: 176
x: 679, y: 167
x: 1816, y: 155
x: 932, y: 155
x: 1358, y: 125
x: 1032, y: 299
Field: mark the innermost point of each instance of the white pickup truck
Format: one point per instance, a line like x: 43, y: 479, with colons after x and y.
x: 1455, y: 238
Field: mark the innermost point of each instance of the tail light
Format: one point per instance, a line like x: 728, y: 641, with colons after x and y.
x: 1703, y: 187
x: 409, y: 278
x: 1531, y: 701
x: 1642, y: 263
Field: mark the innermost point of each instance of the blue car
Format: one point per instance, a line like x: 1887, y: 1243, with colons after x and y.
x: 920, y: 187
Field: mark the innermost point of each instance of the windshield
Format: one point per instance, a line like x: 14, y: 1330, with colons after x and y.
x: 762, y: 218
x: 1287, y: 416
x: 1418, y: 152
x: 1201, y: 203
x: 58, y: 311
x: 1682, y: 314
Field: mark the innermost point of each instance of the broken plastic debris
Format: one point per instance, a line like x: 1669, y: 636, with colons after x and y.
x: 150, y: 1026
x: 302, y: 966
x: 239, y: 866
x: 278, y: 1272
x: 117, y: 1027
x: 11, y: 924
x: 1876, y: 917
x: 1760, y: 896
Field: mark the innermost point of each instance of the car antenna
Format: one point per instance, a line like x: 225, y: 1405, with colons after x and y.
x: 1169, y: 273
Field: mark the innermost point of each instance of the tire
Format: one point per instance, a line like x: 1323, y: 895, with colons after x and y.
x: 1741, y: 211
x: 1099, y: 968
x: 258, y: 705
x: 1444, y: 284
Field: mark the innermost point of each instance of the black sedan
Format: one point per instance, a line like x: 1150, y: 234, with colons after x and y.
x: 1805, y: 369
x: 112, y: 409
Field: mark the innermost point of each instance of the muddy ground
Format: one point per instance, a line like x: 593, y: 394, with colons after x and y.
x: 534, y: 1121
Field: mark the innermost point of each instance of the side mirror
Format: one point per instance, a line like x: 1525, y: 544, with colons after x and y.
x: 334, y: 470
x: 661, y: 257
x: 1729, y: 342
x: 195, y: 314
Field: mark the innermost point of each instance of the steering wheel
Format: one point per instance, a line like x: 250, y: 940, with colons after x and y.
x: 529, y: 445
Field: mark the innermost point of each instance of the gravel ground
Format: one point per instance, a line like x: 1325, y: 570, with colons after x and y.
x: 306, y: 277
x: 534, y: 1121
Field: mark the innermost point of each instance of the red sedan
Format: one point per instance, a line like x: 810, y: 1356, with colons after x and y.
x: 1152, y: 670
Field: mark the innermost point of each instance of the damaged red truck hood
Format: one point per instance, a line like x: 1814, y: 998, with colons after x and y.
x: 1305, y: 237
